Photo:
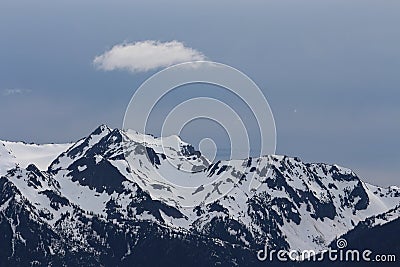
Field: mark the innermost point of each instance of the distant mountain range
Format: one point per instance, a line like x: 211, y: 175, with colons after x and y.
x: 100, y: 201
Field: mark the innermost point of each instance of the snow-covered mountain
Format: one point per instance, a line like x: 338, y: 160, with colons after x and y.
x: 102, y: 200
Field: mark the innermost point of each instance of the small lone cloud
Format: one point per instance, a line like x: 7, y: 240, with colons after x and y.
x: 15, y: 91
x: 145, y: 56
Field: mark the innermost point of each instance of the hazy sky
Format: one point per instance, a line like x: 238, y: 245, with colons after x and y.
x: 329, y: 69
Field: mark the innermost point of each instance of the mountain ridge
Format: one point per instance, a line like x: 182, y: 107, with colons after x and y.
x: 296, y: 206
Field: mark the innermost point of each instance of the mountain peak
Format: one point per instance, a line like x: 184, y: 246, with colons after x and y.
x: 101, y: 129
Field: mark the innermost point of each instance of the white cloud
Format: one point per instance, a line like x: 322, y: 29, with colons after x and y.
x: 145, y: 56
x: 7, y: 92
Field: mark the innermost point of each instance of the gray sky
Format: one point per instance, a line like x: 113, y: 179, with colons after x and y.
x: 329, y: 69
